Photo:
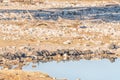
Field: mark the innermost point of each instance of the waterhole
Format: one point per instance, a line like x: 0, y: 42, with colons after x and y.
x: 75, y: 70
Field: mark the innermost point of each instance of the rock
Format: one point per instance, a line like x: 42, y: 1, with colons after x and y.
x: 66, y: 51
x: 33, y: 66
x: 87, y: 52
x: 78, y: 79
x: 20, y: 55
x: 67, y: 42
x: 9, y: 56
x: 113, y: 46
x: 53, y: 53
x: 40, y: 57
x: 39, y: 53
x: 112, y: 60
x: 61, y: 52
x: 76, y: 53
x: 106, y: 52
x: 65, y: 56
x: 45, y: 52
x: 83, y: 27
x: 71, y: 52
x: 54, y: 78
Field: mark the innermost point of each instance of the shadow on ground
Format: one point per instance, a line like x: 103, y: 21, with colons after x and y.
x: 109, y: 13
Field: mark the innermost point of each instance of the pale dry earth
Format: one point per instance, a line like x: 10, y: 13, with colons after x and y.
x: 45, y: 4
x: 23, y: 75
x: 60, y: 34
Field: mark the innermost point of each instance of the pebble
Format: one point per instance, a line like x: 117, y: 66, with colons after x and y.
x: 83, y: 27
x: 67, y: 42
x: 78, y: 79
x: 113, y: 46
x: 33, y: 66
x: 65, y: 56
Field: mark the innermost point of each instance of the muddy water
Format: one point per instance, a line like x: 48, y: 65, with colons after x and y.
x: 83, y: 69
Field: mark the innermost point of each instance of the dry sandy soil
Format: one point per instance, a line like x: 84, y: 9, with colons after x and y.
x: 22, y: 75
x: 60, y: 34
x: 44, y: 4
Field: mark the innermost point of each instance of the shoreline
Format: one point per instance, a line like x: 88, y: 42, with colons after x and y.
x: 28, y: 55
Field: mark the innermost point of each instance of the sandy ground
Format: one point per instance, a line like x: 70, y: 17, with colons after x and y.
x: 61, y: 34
x: 45, y: 4
x: 22, y: 75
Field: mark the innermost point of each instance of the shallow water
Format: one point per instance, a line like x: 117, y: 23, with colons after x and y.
x: 83, y: 69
